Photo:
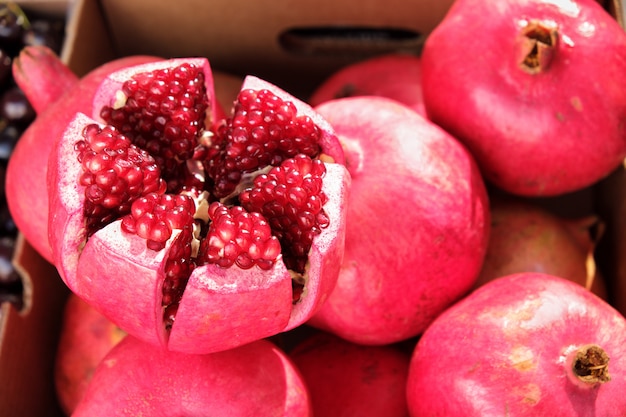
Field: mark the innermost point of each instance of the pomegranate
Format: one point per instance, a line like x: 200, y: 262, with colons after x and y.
x: 417, y: 222
x: 86, y: 338
x: 526, y: 237
x: 191, y: 235
x: 345, y: 379
x: 25, y: 184
x: 394, y: 75
x: 140, y: 379
x: 529, y: 86
x: 521, y: 345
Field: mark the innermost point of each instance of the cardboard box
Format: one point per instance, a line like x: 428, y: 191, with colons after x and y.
x: 293, y: 44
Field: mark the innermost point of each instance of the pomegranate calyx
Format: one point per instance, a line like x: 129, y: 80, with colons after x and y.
x: 591, y: 365
x: 538, y: 46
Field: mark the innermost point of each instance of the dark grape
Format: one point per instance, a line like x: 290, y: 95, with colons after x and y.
x: 15, y: 107
x: 9, y: 136
x: 11, y: 287
x: 45, y: 32
x: 12, y: 21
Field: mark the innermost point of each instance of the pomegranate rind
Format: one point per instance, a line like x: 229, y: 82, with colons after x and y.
x: 347, y: 379
x: 25, y: 185
x: 327, y: 251
x: 506, y: 347
x: 66, y: 229
x: 532, y: 134
x: 42, y: 76
x: 257, y: 379
x: 417, y: 222
x: 224, y: 308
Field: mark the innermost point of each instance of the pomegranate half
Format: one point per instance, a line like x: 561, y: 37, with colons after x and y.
x: 193, y: 233
x: 527, y: 344
x: 534, y: 88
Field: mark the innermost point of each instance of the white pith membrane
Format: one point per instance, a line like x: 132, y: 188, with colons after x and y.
x: 274, y: 280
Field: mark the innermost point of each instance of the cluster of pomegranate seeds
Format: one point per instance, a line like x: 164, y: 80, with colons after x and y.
x: 115, y: 172
x: 163, y: 112
x: 239, y: 237
x: 264, y: 130
x: 154, y: 216
x: 178, y: 268
x: 290, y: 196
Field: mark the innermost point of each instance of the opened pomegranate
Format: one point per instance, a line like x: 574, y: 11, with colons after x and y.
x: 345, y: 379
x: 86, y: 338
x: 393, y: 75
x: 140, y: 379
x: 57, y: 95
x: 417, y: 222
x: 526, y: 237
x: 192, y: 234
x: 527, y: 344
x: 530, y: 87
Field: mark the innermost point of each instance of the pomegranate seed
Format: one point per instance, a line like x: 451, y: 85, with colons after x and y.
x: 154, y: 216
x: 290, y: 197
x: 264, y: 130
x: 239, y: 237
x: 112, y: 174
x: 164, y: 113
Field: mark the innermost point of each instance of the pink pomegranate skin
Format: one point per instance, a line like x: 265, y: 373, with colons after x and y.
x: 345, y: 379
x: 394, y: 75
x: 86, y: 338
x: 417, y: 222
x: 542, y: 117
x: 509, y: 347
x: 27, y: 195
x: 221, y: 308
x: 42, y: 76
x: 143, y: 380
x: 525, y: 237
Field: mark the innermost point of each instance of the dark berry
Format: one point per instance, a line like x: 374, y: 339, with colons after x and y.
x: 15, y: 107
x: 9, y: 136
x: 46, y: 33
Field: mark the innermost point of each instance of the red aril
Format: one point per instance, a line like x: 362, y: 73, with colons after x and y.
x: 534, y: 88
x: 417, y: 222
x: 139, y: 379
x: 395, y: 75
x: 527, y: 344
x: 190, y: 233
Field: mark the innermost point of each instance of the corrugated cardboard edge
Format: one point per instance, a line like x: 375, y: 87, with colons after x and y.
x: 28, y: 339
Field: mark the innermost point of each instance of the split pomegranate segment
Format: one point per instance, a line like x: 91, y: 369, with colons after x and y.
x: 195, y: 233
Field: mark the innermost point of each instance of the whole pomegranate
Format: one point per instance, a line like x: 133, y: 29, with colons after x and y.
x: 526, y: 237
x: 86, y: 338
x: 530, y: 86
x: 393, y: 75
x: 348, y: 380
x: 140, y: 379
x: 417, y: 222
x: 527, y: 344
x: 192, y: 233
x: 57, y: 95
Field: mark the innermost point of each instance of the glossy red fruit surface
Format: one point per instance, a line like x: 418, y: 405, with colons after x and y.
x: 533, y: 88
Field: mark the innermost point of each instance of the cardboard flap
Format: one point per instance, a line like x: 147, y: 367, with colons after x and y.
x: 294, y: 44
